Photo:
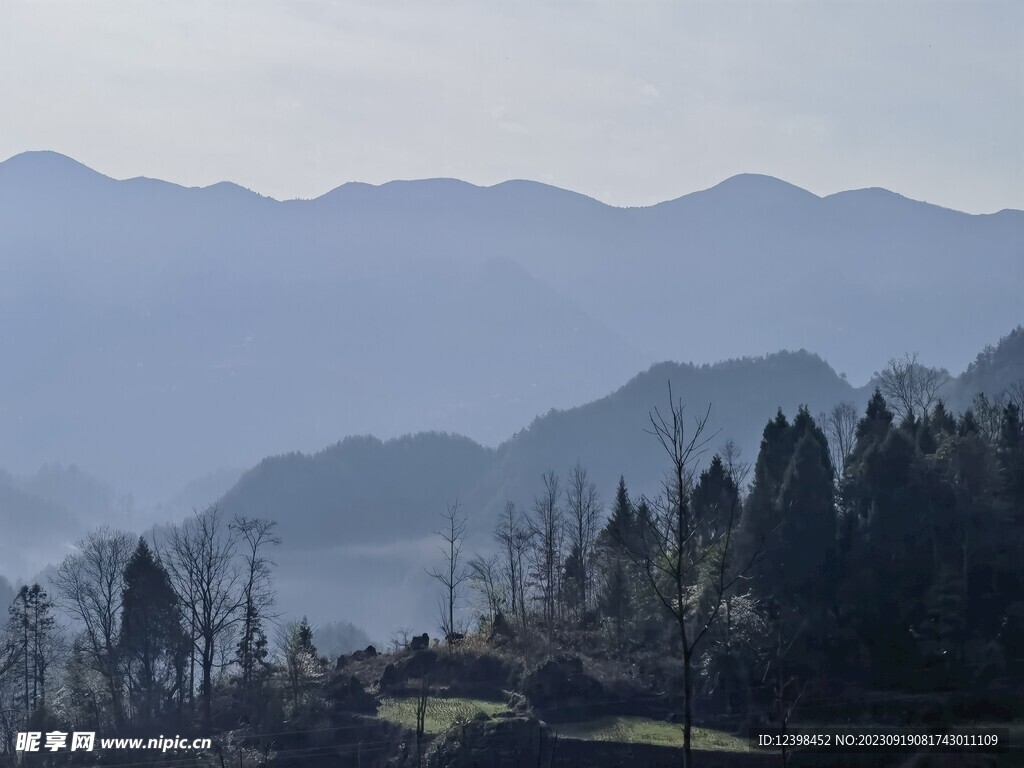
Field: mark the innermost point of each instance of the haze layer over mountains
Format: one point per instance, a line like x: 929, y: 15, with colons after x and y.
x: 165, y: 339
x: 154, y: 333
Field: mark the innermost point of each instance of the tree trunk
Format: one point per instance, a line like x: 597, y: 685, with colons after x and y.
x: 687, y: 704
x: 116, y: 701
x: 207, y: 681
x: 192, y: 661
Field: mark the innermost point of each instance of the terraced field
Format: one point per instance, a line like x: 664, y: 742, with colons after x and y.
x: 442, y: 713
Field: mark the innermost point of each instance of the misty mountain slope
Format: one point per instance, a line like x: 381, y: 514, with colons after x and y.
x: 997, y: 368
x: 364, y: 511
x: 869, y: 265
x: 37, y: 525
x: 361, y: 490
x: 756, y: 264
x: 152, y: 332
x: 44, y: 513
x: 609, y: 436
x: 231, y: 351
x: 357, y: 519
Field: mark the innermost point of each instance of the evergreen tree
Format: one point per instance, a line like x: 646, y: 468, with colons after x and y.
x: 806, y: 544
x: 874, y: 427
x: 760, y: 516
x: 31, y: 624
x: 790, y: 514
x: 302, y: 663
x: 967, y: 424
x: 615, y: 599
x: 1010, y: 452
x: 620, y: 576
x: 620, y: 529
x: 776, y: 447
x: 253, y: 651
x: 646, y: 613
x: 890, y: 563
x: 151, y: 641
x: 790, y: 522
x: 715, y: 496
x: 572, y: 579
x: 942, y: 421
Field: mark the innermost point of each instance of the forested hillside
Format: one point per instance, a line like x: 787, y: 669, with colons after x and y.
x: 997, y: 368
x: 367, y: 488
x: 340, y: 507
x: 862, y: 571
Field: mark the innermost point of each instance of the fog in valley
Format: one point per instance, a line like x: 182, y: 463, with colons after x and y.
x: 176, y: 346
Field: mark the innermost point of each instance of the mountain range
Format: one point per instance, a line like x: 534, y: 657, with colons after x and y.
x: 163, y: 337
x: 152, y: 333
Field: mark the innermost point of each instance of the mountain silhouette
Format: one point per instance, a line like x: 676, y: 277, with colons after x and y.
x: 153, y: 332
x: 365, y: 510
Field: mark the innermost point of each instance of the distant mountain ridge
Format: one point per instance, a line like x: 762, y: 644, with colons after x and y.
x: 43, y: 514
x: 364, y: 510
x: 363, y: 488
x: 166, y: 330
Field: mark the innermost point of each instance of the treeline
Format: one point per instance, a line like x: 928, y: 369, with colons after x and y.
x: 141, y: 638
x: 873, y: 551
x: 876, y: 550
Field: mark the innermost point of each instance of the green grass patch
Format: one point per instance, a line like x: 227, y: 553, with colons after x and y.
x: 442, y: 713
x: 642, y: 730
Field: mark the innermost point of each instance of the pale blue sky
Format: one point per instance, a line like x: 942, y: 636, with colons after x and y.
x: 631, y: 102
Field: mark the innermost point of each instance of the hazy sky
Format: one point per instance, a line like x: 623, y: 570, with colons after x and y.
x: 631, y: 102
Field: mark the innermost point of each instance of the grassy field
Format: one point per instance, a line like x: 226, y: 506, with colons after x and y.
x: 641, y: 730
x: 442, y: 713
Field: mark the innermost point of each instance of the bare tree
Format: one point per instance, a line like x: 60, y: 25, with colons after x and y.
x: 583, y: 506
x: 840, y: 426
x: 9, y: 654
x: 988, y: 415
x: 786, y: 687
x: 257, y: 591
x: 451, y: 575
x: 485, y: 578
x: 912, y: 389
x: 1015, y: 394
x: 546, y: 527
x: 201, y: 561
x: 400, y: 639
x: 90, y: 587
x: 687, y: 554
x: 10, y: 715
x: 732, y: 456
x: 422, y: 699
x: 514, y: 538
